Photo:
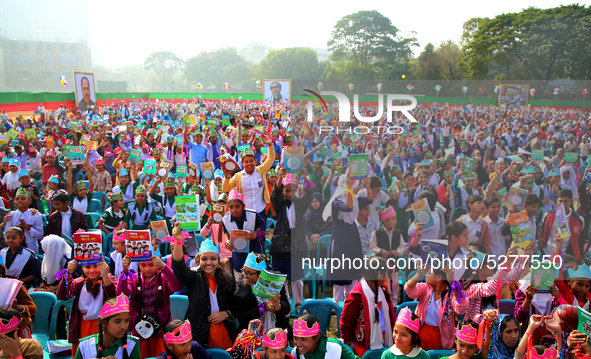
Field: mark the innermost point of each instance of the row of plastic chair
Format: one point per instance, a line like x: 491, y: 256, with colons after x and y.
x: 44, y: 325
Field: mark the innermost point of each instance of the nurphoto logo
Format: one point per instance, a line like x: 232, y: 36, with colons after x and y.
x: 344, y: 108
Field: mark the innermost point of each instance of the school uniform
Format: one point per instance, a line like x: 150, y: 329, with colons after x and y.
x: 88, y: 348
x: 140, y: 216
x: 128, y: 191
x: 21, y: 264
x: 249, y: 221
x: 81, y: 203
x: 31, y: 235
x: 112, y: 219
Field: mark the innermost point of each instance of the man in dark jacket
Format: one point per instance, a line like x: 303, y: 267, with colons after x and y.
x: 289, y: 237
x: 65, y: 221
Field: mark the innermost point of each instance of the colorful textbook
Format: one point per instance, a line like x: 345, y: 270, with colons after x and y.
x: 519, y: 224
x: 422, y: 213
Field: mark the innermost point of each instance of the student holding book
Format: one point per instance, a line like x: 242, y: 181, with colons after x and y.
x: 128, y: 185
x: 477, y: 228
x: 211, y: 293
x: 90, y: 292
x: 149, y: 293
x: 238, y: 218
x: 574, y: 244
x: 80, y: 196
x: 217, y: 234
x: 270, y: 311
x: 119, y: 251
x: 440, y: 298
x: 251, y: 182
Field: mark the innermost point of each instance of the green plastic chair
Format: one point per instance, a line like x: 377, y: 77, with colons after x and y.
x: 58, y: 308
x: 179, y: 304
x: 374, y: 354
x: 218, y: 353
x: 322, y: 309
x: 44, y: 302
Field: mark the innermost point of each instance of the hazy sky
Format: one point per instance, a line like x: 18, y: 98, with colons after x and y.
x: 126, y: 32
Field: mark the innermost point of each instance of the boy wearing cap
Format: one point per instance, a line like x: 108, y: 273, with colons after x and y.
x: 198, y: 152
x: 127, y: 185
x: 167, y: 200
x: 462, y: 193
x: 315, y: 171
x: 33, y: 190
x: 21, y: 157
x: 113, y: 215
x: 23, y: 217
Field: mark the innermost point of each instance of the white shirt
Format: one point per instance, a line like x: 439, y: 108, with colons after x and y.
x: 366, y: 232
x: 66, y: 226
x: 474, y: 228
x: 253, y: 189
x: 497, y: 240
x: 291, y: 216
x: 432, y: 313
x: 35, y: 163
x: 377, y: 201
x: 36, y: 223
x: 373, y: 243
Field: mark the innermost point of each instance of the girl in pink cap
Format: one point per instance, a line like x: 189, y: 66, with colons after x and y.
x: 407, y: 343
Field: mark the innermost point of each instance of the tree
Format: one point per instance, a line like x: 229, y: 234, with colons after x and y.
x: 428, y: 66
x: 534, y: 44
x: 448, y: 53
x: 254, y: 52
x: 165, y: 65
x: 208, y: 68
x: 240, y: 75
x: 342, y: 70
x: 367, y: 37
x: 296, y: 63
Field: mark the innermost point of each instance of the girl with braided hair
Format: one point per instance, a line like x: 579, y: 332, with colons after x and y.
x: 90, y: 293
x: 368, y: 313
x: 112, y: 340
x: 440, y: 299
x: 150, y: 295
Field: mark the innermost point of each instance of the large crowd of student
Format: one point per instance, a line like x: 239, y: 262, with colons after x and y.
x: 321, y: 211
